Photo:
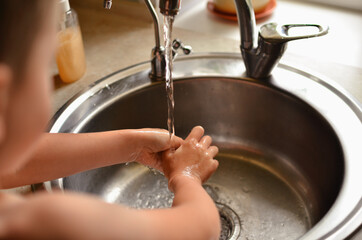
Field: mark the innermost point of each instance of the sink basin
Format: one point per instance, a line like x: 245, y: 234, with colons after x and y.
x: 290, y: 156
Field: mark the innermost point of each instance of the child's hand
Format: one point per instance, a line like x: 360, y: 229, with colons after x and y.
x: 193, y: 159
x: 151, y: 144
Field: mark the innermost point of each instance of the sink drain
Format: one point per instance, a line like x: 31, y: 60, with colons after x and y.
x: 230, y: 223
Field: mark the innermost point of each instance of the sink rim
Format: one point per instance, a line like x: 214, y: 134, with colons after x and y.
x: 346, y: 225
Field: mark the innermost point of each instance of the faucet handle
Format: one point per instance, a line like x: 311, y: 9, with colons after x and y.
x: 275, y: 33
x: 272, y: 43
x: 177, y: 44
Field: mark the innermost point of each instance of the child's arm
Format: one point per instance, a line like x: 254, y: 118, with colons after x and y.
x: 192, y: 216
x: 60, y: 155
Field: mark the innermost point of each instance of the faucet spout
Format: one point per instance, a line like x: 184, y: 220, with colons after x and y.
x: 248, y: 37
x: 246, y: 19
x: 170, y: 7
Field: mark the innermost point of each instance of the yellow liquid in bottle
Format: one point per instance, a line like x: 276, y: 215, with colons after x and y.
x: 70, y: 56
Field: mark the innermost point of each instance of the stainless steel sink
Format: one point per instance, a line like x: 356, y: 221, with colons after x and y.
x: 290, y: 160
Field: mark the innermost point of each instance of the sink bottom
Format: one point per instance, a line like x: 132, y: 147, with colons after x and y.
x: 267, y: 206
x: 253, y: 199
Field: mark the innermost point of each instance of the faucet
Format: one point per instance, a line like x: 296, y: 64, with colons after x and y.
x: 261, y: 52
x: 158, y: 62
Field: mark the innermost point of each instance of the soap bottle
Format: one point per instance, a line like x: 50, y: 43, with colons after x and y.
x: 70, y: 56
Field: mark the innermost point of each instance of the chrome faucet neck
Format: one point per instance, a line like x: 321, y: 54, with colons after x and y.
x: 158, y: 63
x: 246, y: 20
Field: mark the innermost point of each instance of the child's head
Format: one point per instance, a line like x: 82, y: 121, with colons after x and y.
x: 27, y: 40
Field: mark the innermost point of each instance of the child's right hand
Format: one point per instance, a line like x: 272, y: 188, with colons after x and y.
x: 194, y: 159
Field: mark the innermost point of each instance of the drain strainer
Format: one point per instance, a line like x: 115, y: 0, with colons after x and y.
x: 230, y: 223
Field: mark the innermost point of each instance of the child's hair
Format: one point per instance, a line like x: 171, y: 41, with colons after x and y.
x: 20, y: 22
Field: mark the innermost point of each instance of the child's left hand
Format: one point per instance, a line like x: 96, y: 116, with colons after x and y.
x: 152, y: 142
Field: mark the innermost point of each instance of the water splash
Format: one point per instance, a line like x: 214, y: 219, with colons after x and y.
x: 153, y: 198
x: 167, y: 35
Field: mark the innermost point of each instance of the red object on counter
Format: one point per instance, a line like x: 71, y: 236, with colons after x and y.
x: 266, y: 12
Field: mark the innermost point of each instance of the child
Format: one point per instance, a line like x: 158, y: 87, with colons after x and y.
x: 27, y: 155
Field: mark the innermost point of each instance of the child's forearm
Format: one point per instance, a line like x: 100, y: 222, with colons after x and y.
x: 73, y: 216
x: 192, y: 216
x: 60, y: 155
x: 195, y: 209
